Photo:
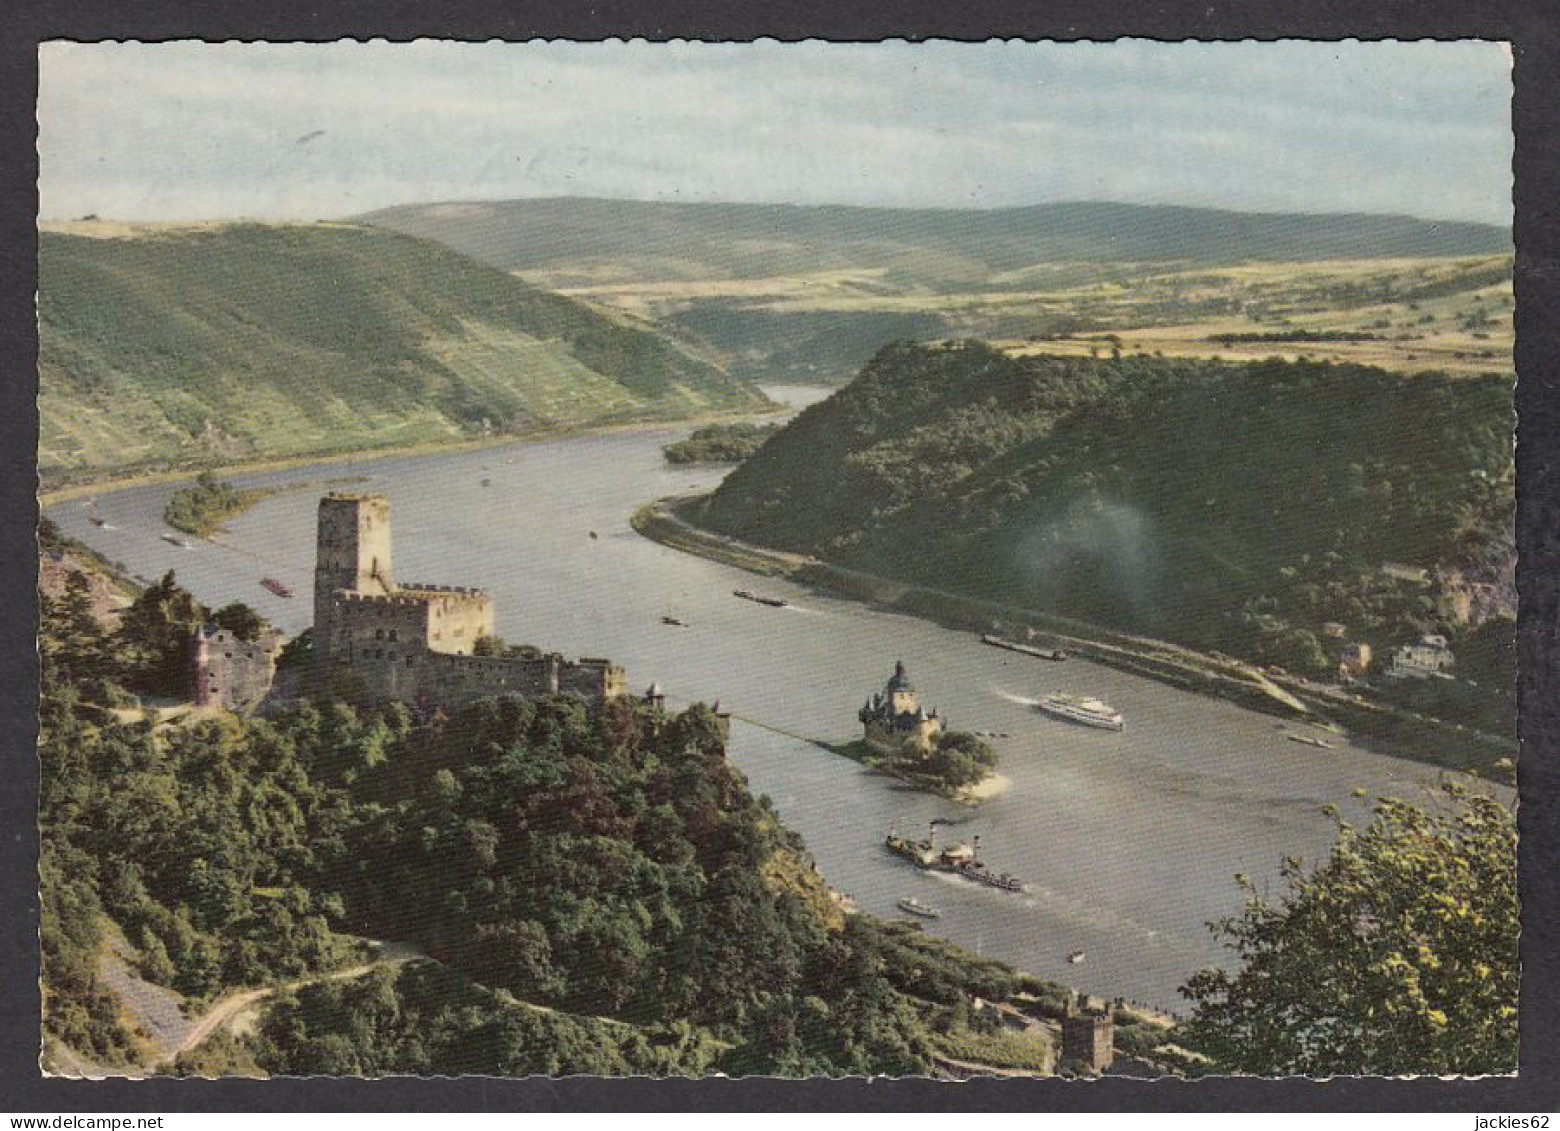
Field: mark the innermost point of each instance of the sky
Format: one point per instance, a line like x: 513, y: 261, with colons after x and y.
x: 194, y: 131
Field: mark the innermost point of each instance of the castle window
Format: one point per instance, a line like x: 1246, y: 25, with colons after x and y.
x: 379, y: 634
x: 394, y: 635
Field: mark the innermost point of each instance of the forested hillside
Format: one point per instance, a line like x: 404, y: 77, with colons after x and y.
x: 1237, y: 507
x: 180, y: 347
x: 595, y: 889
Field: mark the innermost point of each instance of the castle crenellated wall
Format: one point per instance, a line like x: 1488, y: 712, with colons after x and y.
x: 433, y: 679
x: 414, y: 642
x: 363, y: 628
x: 449, y: 680
x: 457, y: 619
x: 592, y: 678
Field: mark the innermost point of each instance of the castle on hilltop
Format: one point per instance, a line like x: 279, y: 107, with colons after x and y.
x: 415, y: 643
x: 894, y: 721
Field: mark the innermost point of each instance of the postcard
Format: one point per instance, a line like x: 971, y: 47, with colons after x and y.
x: 695, y: 559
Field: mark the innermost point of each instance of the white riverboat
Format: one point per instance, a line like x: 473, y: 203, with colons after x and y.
x: 1082, y: 709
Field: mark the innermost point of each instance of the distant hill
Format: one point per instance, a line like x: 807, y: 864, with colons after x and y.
x: 790, y: 293
x: 1234, y: 507
x: 654, y: 239
x: 184, y: 346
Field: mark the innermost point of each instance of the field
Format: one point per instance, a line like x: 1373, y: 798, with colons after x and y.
x: 1453, y: 315
x: 809, y: 294
x: 1447, y: 313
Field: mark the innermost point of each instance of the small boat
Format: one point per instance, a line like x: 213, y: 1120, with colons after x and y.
x: 593, y: 535
x: 915, y: 907
x: 772, y: 602
x: 175, y: 540
x: 276, y: 587
x: 487, y: 482
x: 1083, y: 709
x: 96, y: 521
x: 1311, y: 740
x: 673, y: 622
x: 1076, y: 957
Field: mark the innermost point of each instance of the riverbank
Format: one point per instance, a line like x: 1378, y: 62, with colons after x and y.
x: 62, y: 491
x: 1375, y: 725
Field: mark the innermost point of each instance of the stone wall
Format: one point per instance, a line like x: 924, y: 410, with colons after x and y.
x: 592, y: 679
x: 439, y: 680
x: 365, y: 628
x: 457, y: 618
x: 1088, y: 1042
x: 231, y: 673
x: 882, y: 735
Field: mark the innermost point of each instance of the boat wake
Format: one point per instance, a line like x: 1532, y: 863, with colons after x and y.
x: 1021, y: 700
x: 1065, y: 909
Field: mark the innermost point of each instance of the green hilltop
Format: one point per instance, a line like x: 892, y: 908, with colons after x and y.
x: 181, y: 347
x: 1239, y: 507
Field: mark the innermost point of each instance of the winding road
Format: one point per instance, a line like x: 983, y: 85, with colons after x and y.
x: 229, y: 1008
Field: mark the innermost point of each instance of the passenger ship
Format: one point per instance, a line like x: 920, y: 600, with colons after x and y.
x: 1083, y: 709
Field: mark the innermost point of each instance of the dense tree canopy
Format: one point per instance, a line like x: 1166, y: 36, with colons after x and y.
x: 1397, y: 955
x: 1239, y: 507
x: 720, y: 443
x: 206, y: 504
x: 595, y: 887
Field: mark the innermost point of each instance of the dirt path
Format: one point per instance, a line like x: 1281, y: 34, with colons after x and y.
x: 230, y: 1007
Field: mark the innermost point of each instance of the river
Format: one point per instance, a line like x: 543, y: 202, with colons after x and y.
x: 1129, y: 842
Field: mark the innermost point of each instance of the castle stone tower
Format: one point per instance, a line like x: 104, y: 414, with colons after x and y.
x: 353, y: 553
x: 1089, y: 1042
x: 901, y: 692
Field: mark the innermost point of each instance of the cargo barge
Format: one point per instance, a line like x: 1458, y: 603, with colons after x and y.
x: 1024, y: 649
x: 962, y: 860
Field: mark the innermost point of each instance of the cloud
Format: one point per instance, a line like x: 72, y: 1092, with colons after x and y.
x: 190, y: 130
